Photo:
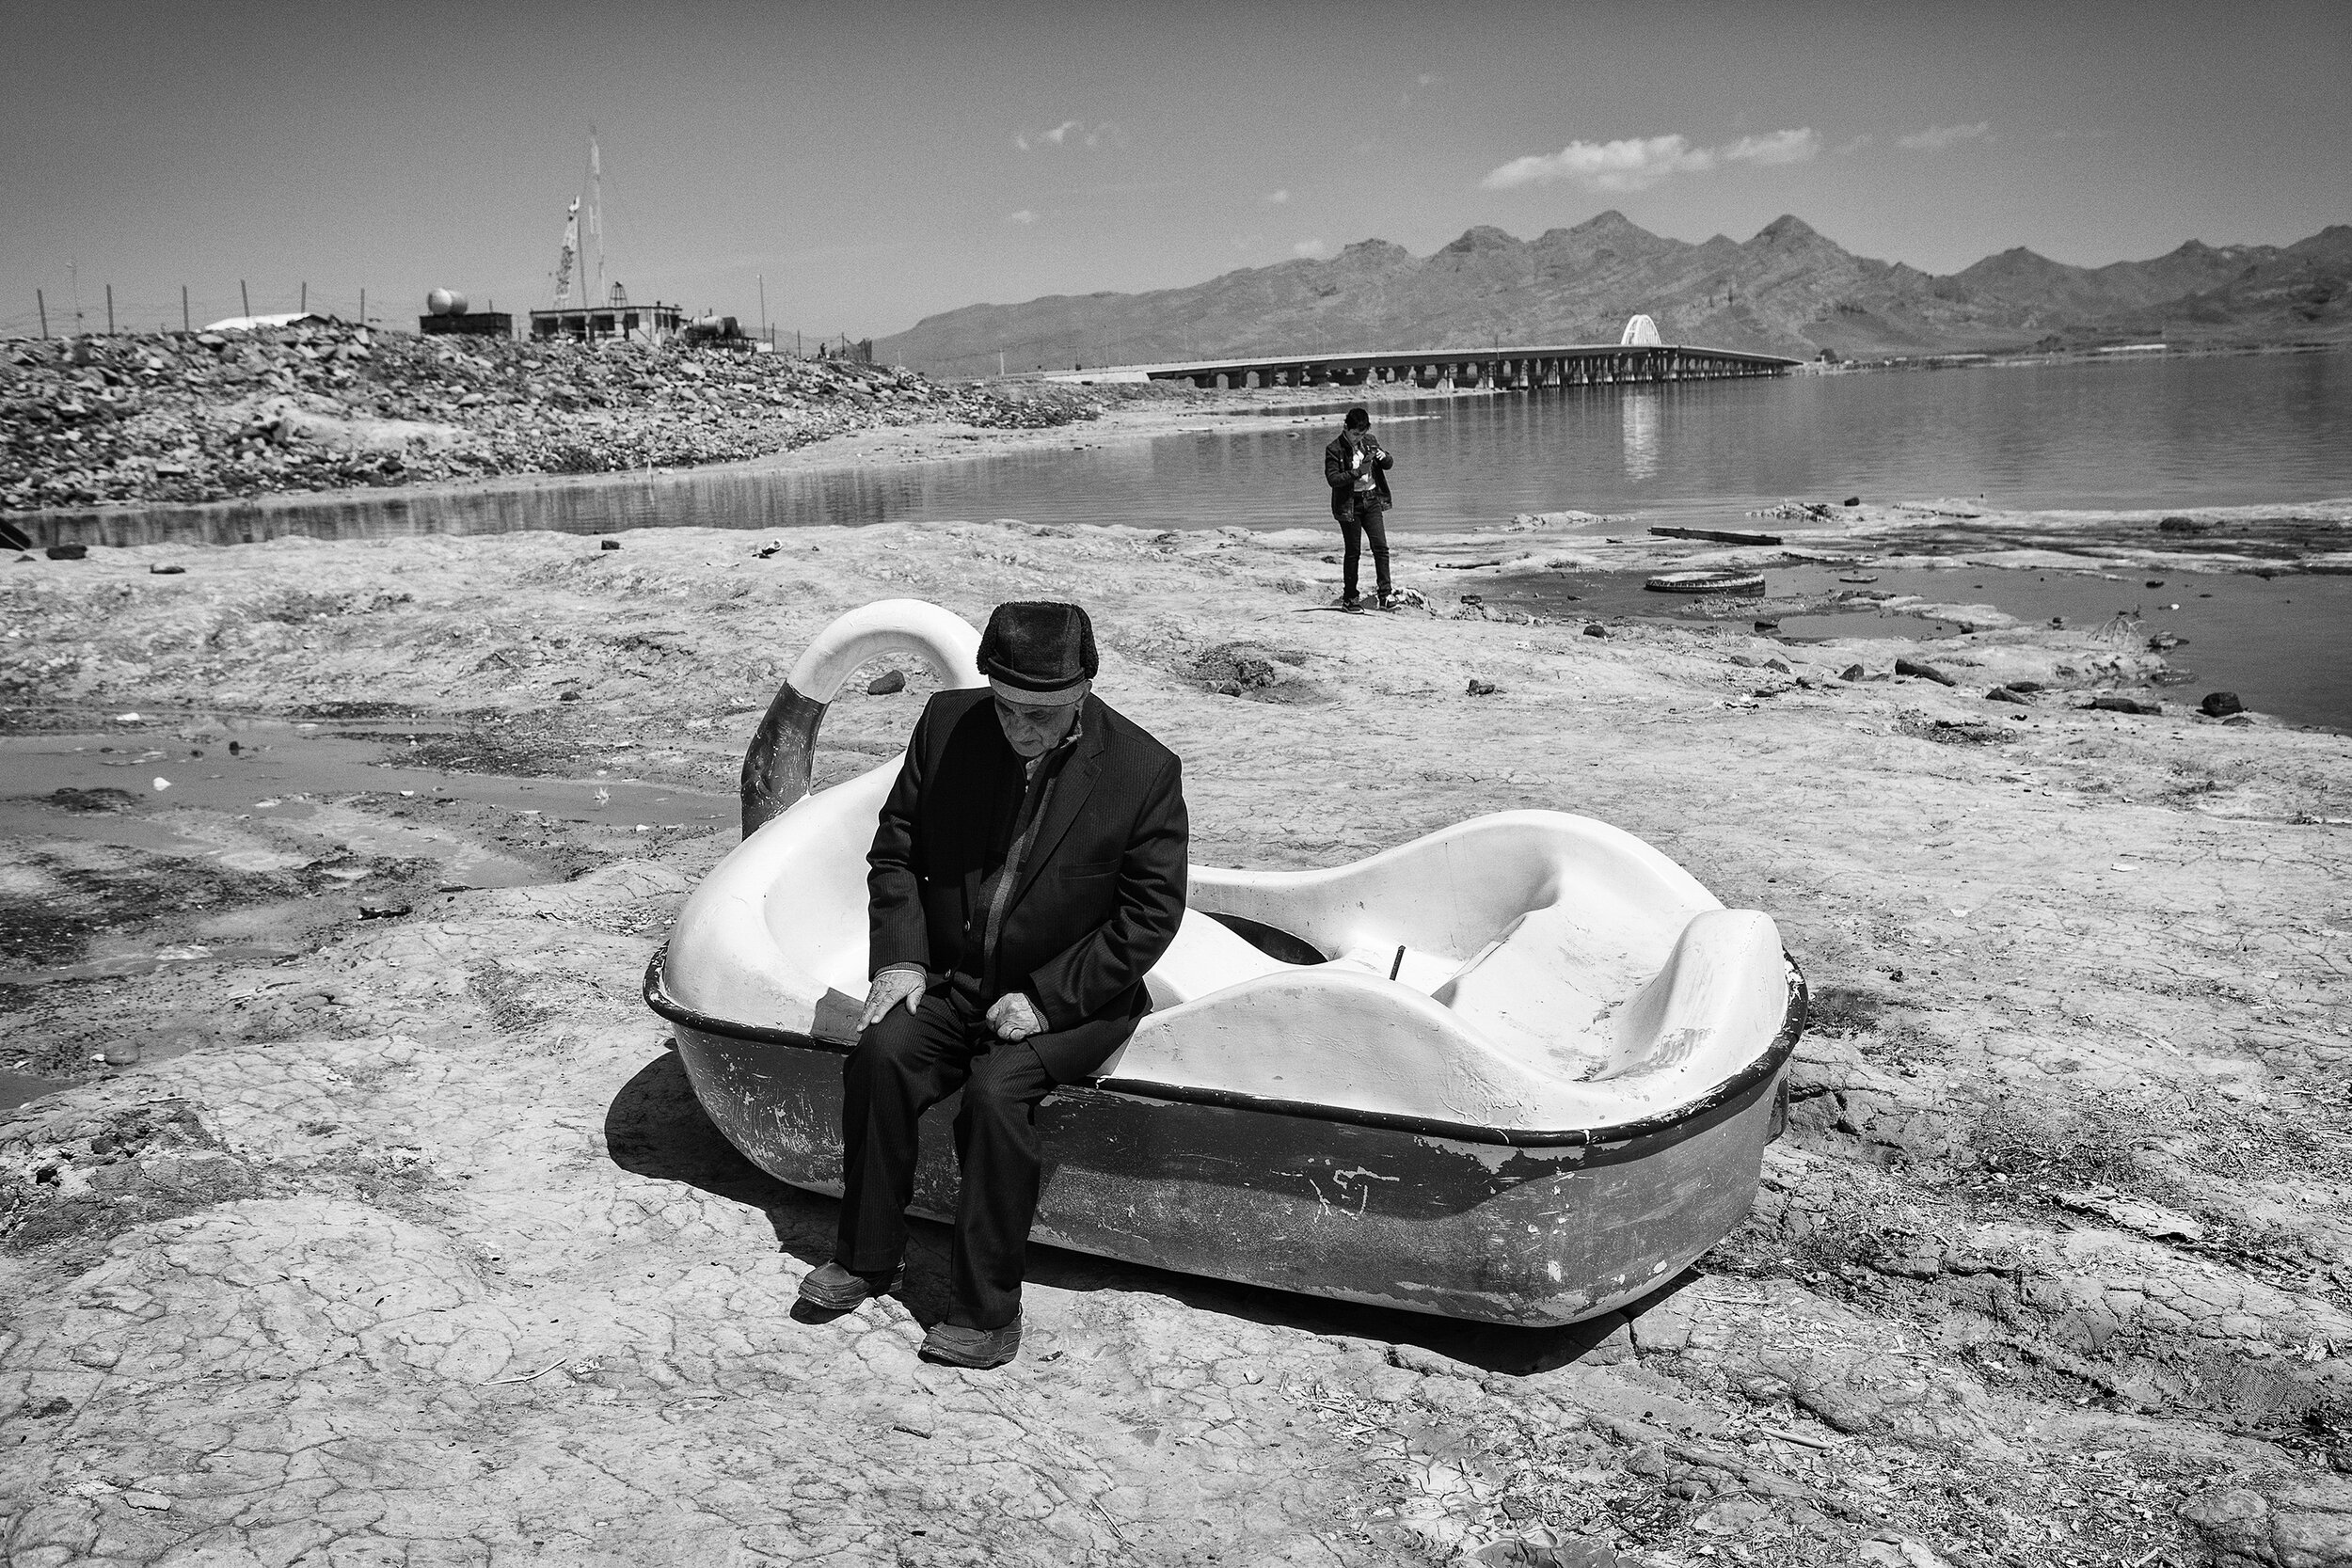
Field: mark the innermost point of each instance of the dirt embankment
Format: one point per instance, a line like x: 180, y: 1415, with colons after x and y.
x: 197, y: 416
x: 426, y: 1253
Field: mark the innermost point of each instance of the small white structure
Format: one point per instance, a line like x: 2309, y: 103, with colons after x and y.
x: 1641, y: 332
x: 249, y: 324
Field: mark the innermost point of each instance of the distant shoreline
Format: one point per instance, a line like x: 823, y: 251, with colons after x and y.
x: 876, y: 447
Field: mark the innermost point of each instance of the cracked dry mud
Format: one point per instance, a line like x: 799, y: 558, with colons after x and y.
x: 445, y: 1266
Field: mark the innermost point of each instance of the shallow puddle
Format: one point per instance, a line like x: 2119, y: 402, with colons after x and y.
x: 2275, y: 641
x: 240, y: 765
x: 283, y: 823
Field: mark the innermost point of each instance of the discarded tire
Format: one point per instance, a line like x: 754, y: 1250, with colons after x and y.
x: 1706, y: 583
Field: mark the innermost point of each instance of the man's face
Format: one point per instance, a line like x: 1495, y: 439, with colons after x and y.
x: 1032, y: 731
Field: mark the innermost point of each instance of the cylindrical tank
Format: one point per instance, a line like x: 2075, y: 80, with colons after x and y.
x: 445, y: 302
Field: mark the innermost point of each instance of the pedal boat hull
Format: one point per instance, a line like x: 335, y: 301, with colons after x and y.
x: 1534, y: 1229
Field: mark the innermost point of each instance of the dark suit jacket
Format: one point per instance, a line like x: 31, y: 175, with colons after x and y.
x: 1342, y: 478
x: 1097, y: 901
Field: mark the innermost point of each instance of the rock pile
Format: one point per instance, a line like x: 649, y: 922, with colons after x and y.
x: 184, y: 417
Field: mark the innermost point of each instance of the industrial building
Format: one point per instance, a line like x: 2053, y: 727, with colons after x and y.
x: 616, y: 318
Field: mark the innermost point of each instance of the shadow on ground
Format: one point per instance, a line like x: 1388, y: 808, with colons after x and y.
x: 656, y: 1128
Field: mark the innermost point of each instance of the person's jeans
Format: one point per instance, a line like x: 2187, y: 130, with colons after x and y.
x: 1361, y: 519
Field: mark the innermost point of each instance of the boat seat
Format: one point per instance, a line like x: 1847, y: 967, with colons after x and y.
x: 1546, y: 990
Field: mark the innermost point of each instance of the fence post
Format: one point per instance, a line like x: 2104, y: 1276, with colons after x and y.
x: 41, y: 303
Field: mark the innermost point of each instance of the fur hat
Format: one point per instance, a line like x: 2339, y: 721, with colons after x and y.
x: 1038, y: 646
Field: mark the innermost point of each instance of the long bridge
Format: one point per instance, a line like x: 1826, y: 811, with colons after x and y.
x: 1522, y: 369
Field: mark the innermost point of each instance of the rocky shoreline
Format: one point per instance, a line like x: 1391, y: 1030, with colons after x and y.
x: 186, y: 417
x: 411, y: 1244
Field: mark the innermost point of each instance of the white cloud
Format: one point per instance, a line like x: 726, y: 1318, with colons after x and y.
x: 1781, y: 147
x: 1937, y: 137
x: 1072, y: 133
x: 1313, y: 250
x: 1024, y: 215
x: 1637, y: 163
x: 1274, y: 198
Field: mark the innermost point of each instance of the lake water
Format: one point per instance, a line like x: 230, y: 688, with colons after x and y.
x: 2163, y: 433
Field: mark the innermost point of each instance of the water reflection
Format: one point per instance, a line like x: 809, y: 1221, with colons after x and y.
x: 1638, y: 410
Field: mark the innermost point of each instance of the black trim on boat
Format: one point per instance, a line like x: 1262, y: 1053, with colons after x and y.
x: 1272, y: 941
x: 1760, y: 1070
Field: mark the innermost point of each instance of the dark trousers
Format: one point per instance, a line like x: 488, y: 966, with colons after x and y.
x: 902, y: 1066
x: 1361, y: 516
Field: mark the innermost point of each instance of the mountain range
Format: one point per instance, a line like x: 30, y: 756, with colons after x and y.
x: 1788, y: 289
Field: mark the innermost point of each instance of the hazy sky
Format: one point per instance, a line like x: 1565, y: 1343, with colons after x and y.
x: 879, y: 163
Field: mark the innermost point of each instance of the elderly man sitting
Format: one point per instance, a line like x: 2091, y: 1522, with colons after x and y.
x: 1028, y: 869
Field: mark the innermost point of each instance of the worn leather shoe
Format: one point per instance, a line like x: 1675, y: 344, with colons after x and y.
x: 834, y: 1289
x: 980, y: 1348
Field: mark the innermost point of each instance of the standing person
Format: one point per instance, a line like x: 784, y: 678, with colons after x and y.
x: 1356, y: 466
x: 1027, y: 870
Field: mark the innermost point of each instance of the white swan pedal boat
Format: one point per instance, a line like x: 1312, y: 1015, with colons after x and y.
x: 1520, y: 1070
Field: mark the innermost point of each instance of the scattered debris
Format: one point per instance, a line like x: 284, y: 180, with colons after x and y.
x: 1720, y: 536
x: 1706, y: 583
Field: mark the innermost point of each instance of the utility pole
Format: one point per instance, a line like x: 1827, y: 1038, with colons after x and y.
x: 183, y: 307
x: 41, y: 303
x: 246, y: 299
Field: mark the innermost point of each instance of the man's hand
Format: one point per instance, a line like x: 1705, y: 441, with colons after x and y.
x: 890, y: 988
x: 1013, y: 1016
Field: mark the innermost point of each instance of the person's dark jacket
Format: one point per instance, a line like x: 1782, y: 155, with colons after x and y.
x: 1341, y: 477
x: 1097, y: 898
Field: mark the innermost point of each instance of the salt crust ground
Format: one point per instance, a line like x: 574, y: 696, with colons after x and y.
x: 2053, y: 1268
